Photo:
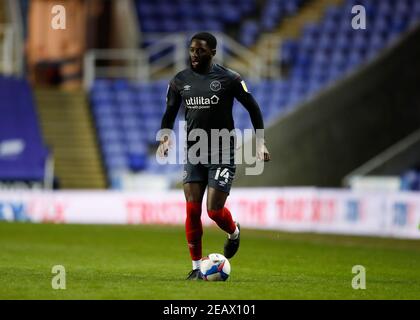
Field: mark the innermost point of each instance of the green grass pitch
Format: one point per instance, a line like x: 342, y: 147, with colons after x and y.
x: 151, y: 262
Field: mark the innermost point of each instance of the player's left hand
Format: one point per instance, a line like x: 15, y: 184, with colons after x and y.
x: 263, y: 154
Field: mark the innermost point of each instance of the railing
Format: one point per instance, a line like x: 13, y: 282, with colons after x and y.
x: 11, y: 40
x: 6, y: 49
x: 269, y: 48
x: 167, y: 54
x: 405, y: 150
x: 133, y: 65
x: 49, y: 172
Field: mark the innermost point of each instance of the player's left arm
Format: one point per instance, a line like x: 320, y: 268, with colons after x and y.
x: 247, y: 100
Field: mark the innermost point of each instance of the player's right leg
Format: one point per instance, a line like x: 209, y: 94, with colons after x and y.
x: 194, y: 190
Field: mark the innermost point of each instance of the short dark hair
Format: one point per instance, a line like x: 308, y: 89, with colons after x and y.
x: 208, y: 37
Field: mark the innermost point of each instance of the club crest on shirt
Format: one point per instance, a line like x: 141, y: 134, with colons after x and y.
x: 215, y: 86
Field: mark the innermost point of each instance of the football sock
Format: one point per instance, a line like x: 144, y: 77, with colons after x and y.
x: 196, y: 264
x: 235, y: 235
x: 194, y: 229
x: 223, y: 219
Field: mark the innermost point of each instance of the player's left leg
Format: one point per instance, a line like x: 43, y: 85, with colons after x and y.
x: 217, y: 211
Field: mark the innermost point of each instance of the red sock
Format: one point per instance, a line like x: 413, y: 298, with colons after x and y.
x: 223, y: 219
x: 194, y: 229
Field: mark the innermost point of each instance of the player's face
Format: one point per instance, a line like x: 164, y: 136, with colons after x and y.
x: 200, y: 55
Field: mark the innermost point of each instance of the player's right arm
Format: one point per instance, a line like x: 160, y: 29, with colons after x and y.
x: 173, y: 102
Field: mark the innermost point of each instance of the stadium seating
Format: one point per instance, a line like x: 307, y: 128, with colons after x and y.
x: 127, y: 118
x: 181, y: 15
x: 22, y: 152
x: 330, y: 49
x: 271, y: 16
x: 128, y: 115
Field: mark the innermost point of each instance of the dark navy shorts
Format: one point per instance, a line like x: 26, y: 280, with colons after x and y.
x: 217, y: 176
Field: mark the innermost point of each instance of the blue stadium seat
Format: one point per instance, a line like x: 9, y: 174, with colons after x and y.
x: 360, y: 41
x: 101, y: 85
x: 212, y: 25
x: 325, y: 43
x: 208, y: 9
x: 19, y: 126
x: 355, y: 58
x: 113, y: 148
x: 248, y: 33
x: 330, y: 28
x: 231, y: 14
x: 343, y: 44
x: 118, y: 162
x: 309, y: 44
x: 334, y: 13
x: 105, y: 122
x: 311, y: 30
x: 110, y: 135
x: 101, y: 96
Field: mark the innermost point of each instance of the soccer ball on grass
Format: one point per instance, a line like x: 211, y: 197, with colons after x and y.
x: 215, y: 267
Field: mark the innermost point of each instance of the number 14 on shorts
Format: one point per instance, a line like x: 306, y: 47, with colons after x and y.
x: 222, y: 173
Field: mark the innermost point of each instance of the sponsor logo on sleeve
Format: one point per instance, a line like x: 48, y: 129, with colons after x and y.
x: 244, y: 86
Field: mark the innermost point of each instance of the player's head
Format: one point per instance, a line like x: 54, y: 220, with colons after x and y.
x: 202, y: 50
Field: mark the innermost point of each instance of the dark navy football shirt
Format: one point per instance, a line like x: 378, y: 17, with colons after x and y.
x: 208, y: 100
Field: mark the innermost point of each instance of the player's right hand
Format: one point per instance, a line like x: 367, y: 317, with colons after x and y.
x: 163, y: 148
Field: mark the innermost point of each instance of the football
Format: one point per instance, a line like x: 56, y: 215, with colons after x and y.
x: 215, y: 267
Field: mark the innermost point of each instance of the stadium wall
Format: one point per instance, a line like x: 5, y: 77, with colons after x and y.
x: 382, y: 214
x: 393, y: 161
x: 347, y: 124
